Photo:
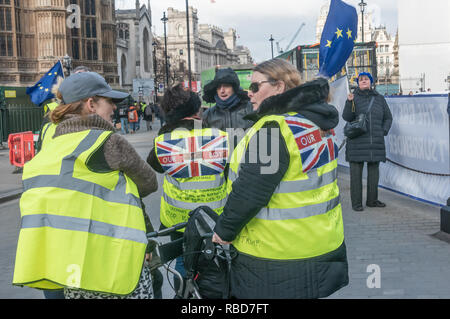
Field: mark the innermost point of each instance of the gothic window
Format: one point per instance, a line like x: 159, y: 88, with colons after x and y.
x: 123, y: 69
x: 182, y: 67
x: 94, y: 51
x: 76, y: 49
x: 91, y: 50
x: 90, y: 28
x: 123, y: 32
x: 89, y: 7
x: 146, y: 55
x: 6, y: 45
x: 6, y: 40
x: 5, y: 19
x: 180, y: 31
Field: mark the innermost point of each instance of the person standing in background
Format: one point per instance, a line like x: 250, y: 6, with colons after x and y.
x: 368, y: 147
x: 147, y: 111
x: 232, y: 103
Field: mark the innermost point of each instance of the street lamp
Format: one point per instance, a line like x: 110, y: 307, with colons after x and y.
x: 67, y: 63
x: 362, y: 4
x: 271, y: 44
x: 164, y: 20
x: 154, y: 44
x: 188, y: 44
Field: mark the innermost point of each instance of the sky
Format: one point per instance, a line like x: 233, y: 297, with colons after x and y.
x: 255, y: 20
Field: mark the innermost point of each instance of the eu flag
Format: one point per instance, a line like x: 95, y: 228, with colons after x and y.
x: 338, y: 37
x: 42, y: 90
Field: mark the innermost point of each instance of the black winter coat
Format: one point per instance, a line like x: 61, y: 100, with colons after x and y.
x: 222, y: 119
x: 253, y: 277
x: 370, y: 146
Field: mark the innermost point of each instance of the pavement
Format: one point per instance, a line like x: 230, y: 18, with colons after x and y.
x: 10, y: 184
x: 396, y: 252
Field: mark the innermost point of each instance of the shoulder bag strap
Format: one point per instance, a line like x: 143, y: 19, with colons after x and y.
x: 370, y: 104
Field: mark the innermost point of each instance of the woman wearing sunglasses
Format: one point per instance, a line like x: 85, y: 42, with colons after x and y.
x: 284, y: 215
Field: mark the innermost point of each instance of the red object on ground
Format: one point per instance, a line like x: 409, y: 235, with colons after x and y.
x: 21, y: 148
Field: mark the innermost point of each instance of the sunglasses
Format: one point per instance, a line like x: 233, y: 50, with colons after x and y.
x: 254, y: 86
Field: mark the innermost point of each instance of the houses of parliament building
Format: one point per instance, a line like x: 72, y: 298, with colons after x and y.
x: 34, y: 34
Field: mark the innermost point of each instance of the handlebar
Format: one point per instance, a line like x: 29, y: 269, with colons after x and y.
x: 166, y: 231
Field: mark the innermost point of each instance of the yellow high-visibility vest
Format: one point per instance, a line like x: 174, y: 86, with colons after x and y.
x: 48, y: 130
x: 193, y: 162
x: 79, y: 228
x: 50, y: 107
x: 303, y: 218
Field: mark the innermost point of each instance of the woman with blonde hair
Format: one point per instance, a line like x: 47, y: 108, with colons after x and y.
x: 83, y: 228
x: 283, y: 213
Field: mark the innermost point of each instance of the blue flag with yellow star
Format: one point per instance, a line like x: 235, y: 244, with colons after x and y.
x: 338, y: 37
x: 42, y: 90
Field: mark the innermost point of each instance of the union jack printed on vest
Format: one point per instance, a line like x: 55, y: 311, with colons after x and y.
x: 315, y: 150
x: 193, y: 156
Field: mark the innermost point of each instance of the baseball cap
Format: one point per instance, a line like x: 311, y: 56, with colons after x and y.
x: 87, y: 84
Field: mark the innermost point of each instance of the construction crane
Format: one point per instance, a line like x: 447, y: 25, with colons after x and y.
x: 295, y: 36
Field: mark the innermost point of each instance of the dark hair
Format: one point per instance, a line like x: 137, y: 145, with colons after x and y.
x: 174, y: 97
x: 178, y: 104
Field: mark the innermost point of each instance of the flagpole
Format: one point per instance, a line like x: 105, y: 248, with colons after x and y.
x: 62, y: 68
x: 346, y: 75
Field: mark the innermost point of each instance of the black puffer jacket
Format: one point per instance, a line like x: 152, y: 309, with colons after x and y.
x: 368, y: 147
x: 253, y: 277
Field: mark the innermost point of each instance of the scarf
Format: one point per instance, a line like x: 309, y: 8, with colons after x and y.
x: 228, y: 103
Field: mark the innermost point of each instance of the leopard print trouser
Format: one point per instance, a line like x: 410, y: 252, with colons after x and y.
x: 144, y: 290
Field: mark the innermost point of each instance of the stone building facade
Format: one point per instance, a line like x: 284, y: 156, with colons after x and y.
x: 385, y: 55
x: 34, y: 34
x: 210, y: 45
x: 134, y: 44
x: 368, y: 27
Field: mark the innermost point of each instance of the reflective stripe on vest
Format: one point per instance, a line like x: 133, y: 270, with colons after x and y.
x: 312, y: 182
x: 303, y: 217
x: 66, y: 181
x: 267, y: 213
x: 84, y: 225
x: 71, y: 183
x: 75, y: 218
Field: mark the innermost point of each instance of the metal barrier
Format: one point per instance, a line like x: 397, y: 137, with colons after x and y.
x: 24, y: 118
x: 17, y: 118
